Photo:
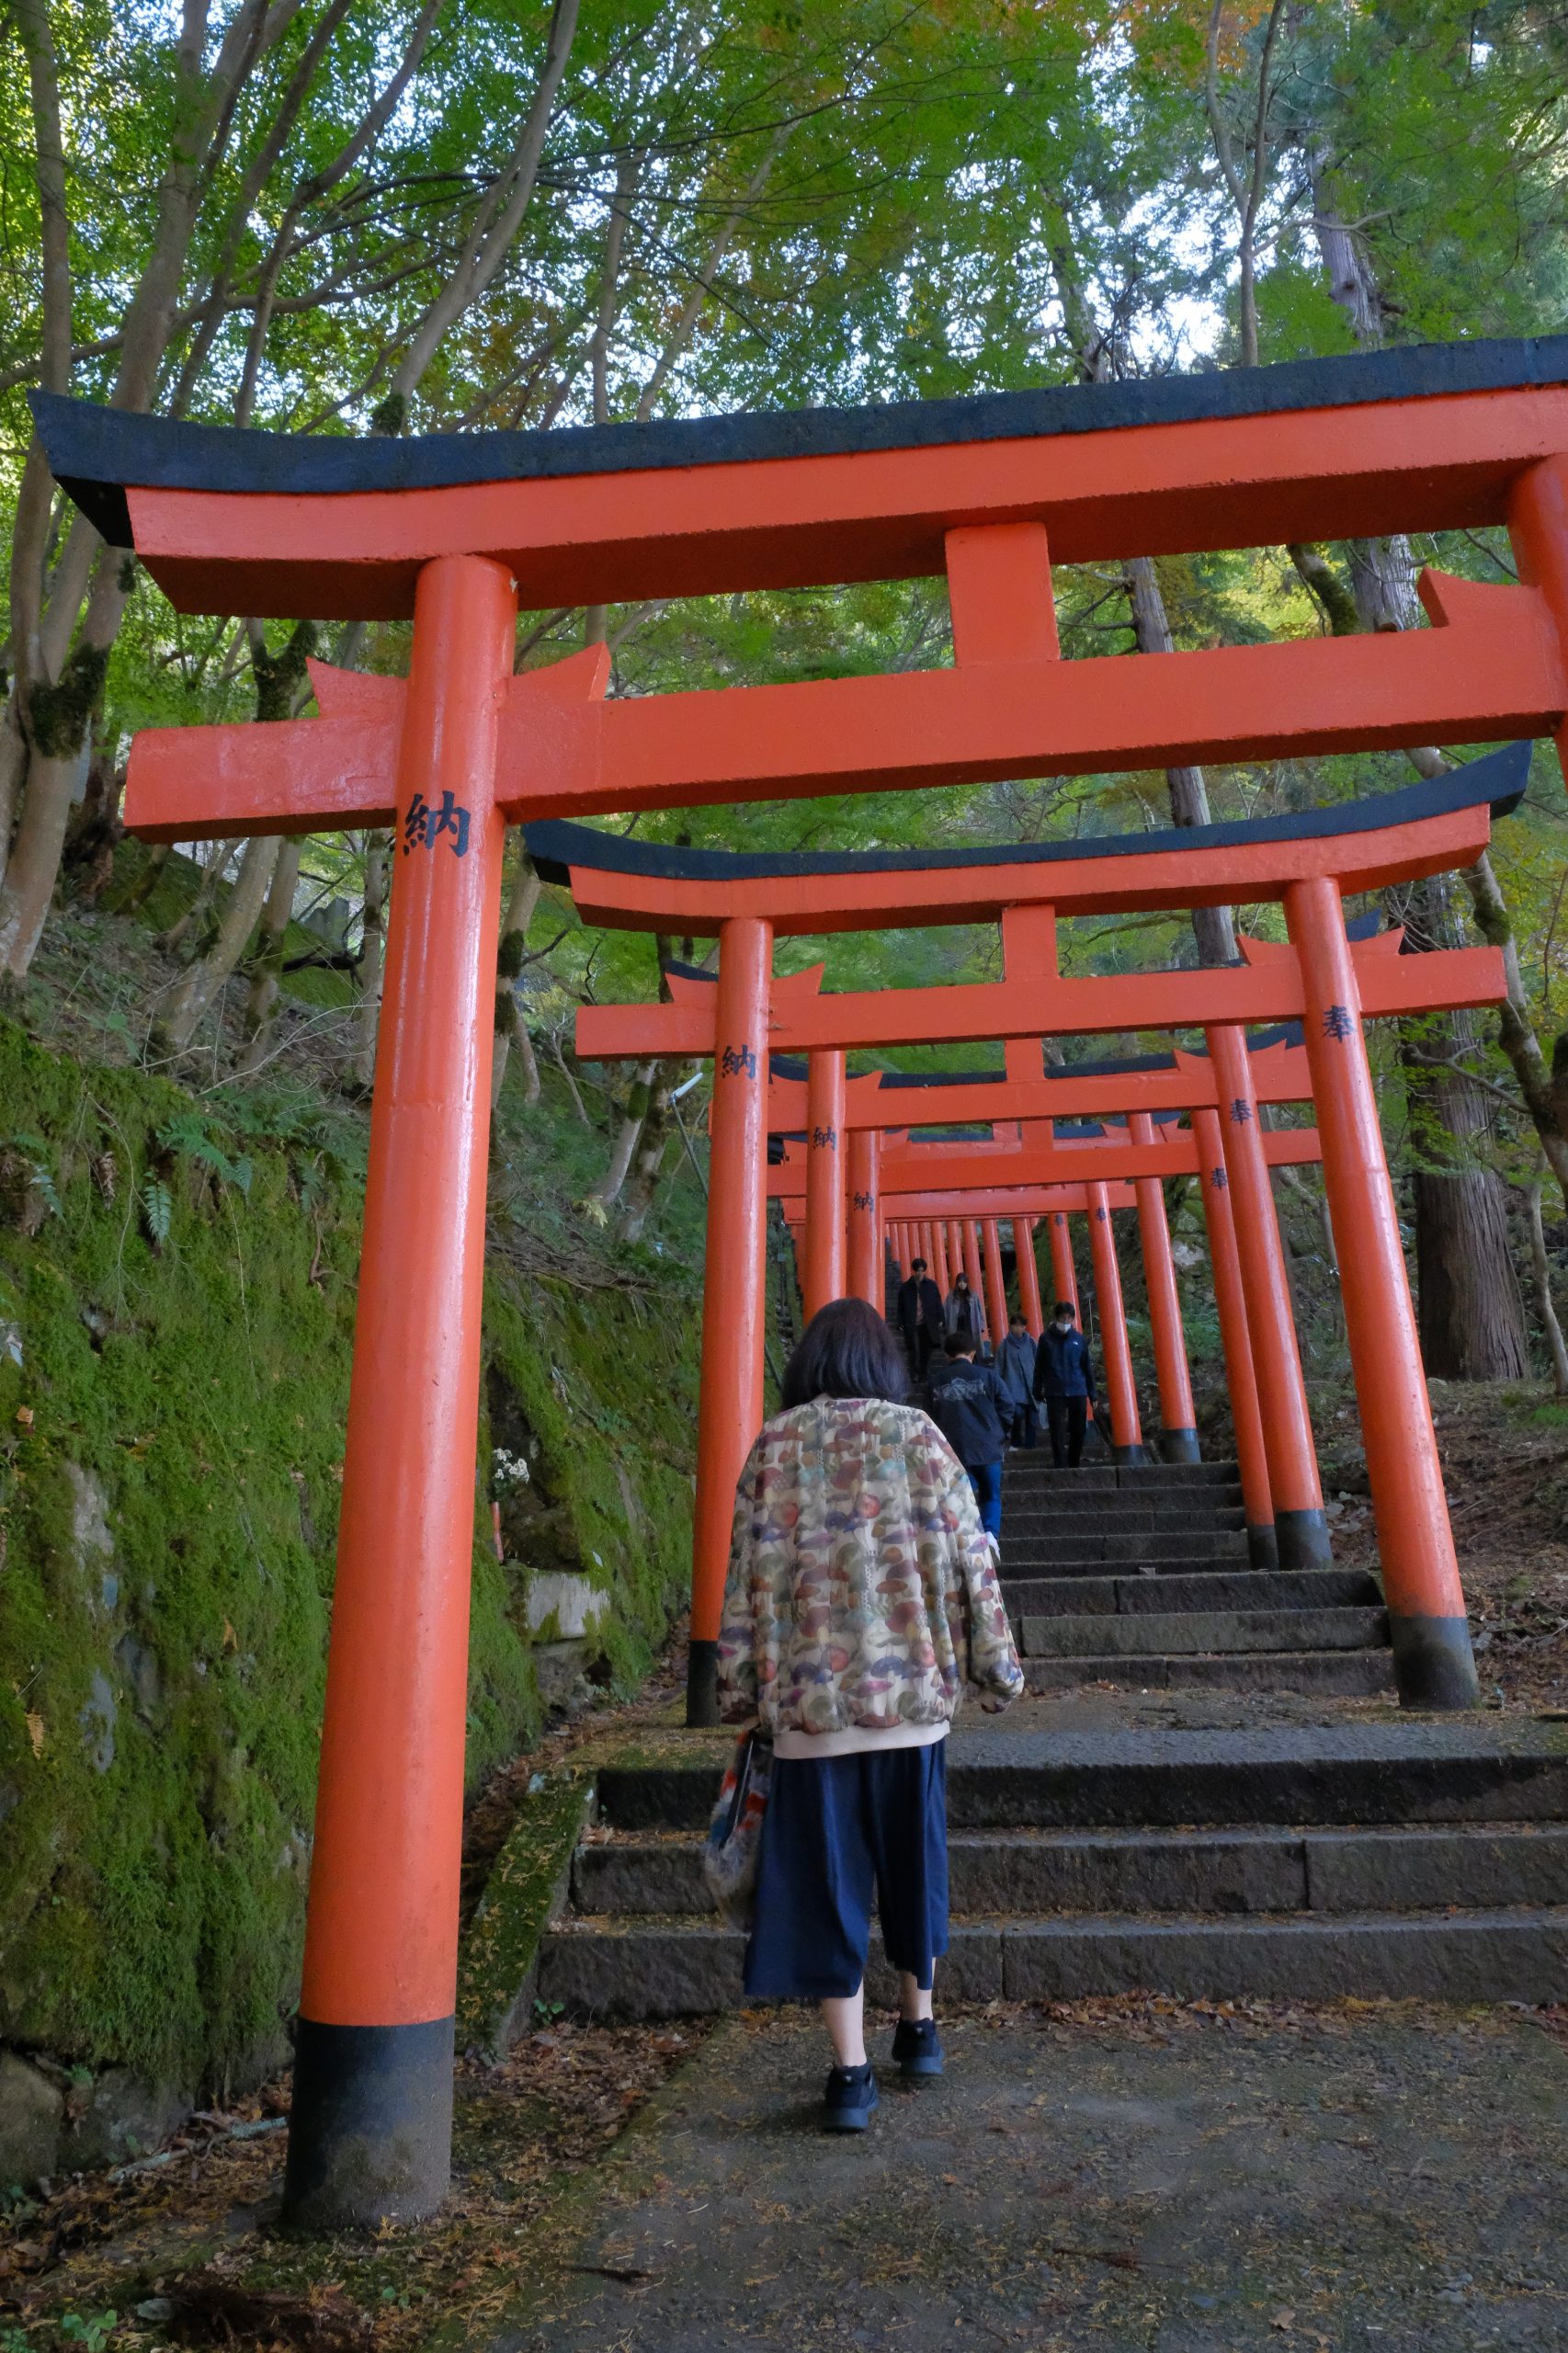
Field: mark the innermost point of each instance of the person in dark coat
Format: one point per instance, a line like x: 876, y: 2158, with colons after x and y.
x: 919, y: 1317
x: 1015, y: 1363
x: 964, y: 1313
x: 1064, y: 1380
x: 969, y: 1406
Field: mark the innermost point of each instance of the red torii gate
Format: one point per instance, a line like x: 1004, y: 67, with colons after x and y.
x: 1319, y: 978
x: 455, y: 531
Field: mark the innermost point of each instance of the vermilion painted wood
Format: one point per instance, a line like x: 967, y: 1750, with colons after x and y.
x: 1288, y: 1430
x: 996, y: 1287
x: 1064, y: 1269
x: 1494, y: 668
x: 1164, y: 1303
x: 1416, y: 465
x: 1004, y: 1201
x: 1266, y: 991
x: 1230, y: 1301
x: 865, y: 1255
x: 1028, y: 1275
x: 729, y: 1407
x: 826, y: 1150
x: 1280, y: 1075
x: 1415, y: 1541
x: 1121, y: 1390
x: 1538, y: 524
x: 929, y: 1168
x: 973, y: 1269
x: 381, y: 1943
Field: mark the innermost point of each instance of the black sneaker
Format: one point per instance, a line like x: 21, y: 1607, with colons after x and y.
x: 849, y: 2098
x: 918, y: 2047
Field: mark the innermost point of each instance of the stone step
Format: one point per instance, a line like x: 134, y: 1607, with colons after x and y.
x: 1125, y: 1519
x: 1034, y: 1562
x: 1145, y: 1633
x: 634, y: 1969
x: 1032, y: 1465
x: 1069, y: 1596
x: 1325, y: 1674
x: 1138, y: 1544
x: 1226, y: 1872
x: 1404, y: 1771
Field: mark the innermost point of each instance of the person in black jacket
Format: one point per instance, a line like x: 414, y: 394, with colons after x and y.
x: 969, y: 1407
x: 919, y: 1317
x: 1064, y: 1380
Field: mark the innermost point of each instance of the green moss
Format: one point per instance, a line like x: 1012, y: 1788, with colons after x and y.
x: 522, y: 1894
x: 170, y: 1458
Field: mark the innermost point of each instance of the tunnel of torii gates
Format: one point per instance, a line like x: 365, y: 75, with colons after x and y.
x: 460, y: 531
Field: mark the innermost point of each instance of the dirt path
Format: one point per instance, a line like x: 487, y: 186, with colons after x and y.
x: 1127, y: 2174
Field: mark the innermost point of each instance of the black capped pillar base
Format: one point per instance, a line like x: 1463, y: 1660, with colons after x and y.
x: 1302, y: 1539
x: 702, y: 1684
x: 1263, y: 1547
x: 1179, y: 1446
x: 370, y: 2125
x: 1434, y: 1665
x: 1128, y: 1456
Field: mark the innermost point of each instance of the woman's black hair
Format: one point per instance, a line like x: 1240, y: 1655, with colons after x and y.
x: 847, y: 1350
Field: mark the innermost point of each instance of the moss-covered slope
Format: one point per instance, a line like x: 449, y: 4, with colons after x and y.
x: 176, y: 1310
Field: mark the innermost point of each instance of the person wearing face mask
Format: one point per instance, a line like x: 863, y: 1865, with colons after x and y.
x: 1064, y: 1382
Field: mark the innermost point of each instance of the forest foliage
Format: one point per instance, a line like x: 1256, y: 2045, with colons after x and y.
x: 398, y: 216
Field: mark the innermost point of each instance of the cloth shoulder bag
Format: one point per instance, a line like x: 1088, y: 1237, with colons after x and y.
x: 735, y: 1830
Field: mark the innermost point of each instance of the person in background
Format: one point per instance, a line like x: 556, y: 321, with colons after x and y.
x: 963, y: 1313
x: 969, y: 1407
x: 1064, y: 1378
x: 1014, y: 1365
x: 861, y: 1597
x: 919, y: 1317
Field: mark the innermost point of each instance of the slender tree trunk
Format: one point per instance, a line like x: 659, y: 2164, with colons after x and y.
x: 139, y: 890
x: 192, y: 918
x: 1212, y: 928
x: 203, y: 981
x: 1541, y: 1265
x: 647, y: 1167
x: 261, y: 1004
x: 510, y: 1026
x: 638, y: 1096
x: 372, y: 959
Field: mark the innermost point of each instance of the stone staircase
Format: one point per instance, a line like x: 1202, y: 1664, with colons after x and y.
x: 1141, y: 1576
x: 1406, y: 1858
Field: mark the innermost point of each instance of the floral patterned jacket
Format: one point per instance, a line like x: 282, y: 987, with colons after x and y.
x: 861, y: 1591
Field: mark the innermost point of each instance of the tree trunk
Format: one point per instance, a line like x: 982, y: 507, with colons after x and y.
x: 261, y: 1004
x: 372, y: 958
x: 510, y: 1026
x: 607, y: 1189
x: 1541, y: 1265
x: 172, y: 941
x: 647, y: 1167
x: 203, y: 981
x: 1471, y: 1313
x: 1212, y: 927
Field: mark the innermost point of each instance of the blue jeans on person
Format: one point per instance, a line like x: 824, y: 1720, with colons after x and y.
x: 986, y: 1478
x: 834, y: 1830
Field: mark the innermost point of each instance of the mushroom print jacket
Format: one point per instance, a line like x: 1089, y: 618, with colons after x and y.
x: 861, y: 1592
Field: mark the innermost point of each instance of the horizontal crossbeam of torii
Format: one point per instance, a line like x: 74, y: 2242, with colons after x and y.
x: 919, y: 1170
x: 456, y: 531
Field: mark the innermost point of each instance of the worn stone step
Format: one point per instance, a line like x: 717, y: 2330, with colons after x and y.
x: 1125, y: 1519
x: 1226, y: 1872
x: 1143, y: 1633
x: 1328, y: 1673
x: 1048, y: 1596
x: 632, y: 1969
x: 1405, y: 1771
x: 1030, y: 1464
x: 1033, y: 1562
x: 1136, y: 1545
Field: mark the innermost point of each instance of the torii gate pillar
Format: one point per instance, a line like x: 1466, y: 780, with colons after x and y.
x: 1127, y: 1432
x: 825, y: 1154
x: 733, y: 1286
x: 1028, y: 1275
x: 1063, y: 1267
x: 1434, y: 1663
x: 1241, y: 1378
x: 868, y: 1273
x: 1299, y: 1525
x: 1179, y: 1422
x: 972, y: 1269
x: 996, y: 1284
x: 369, y: 2136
